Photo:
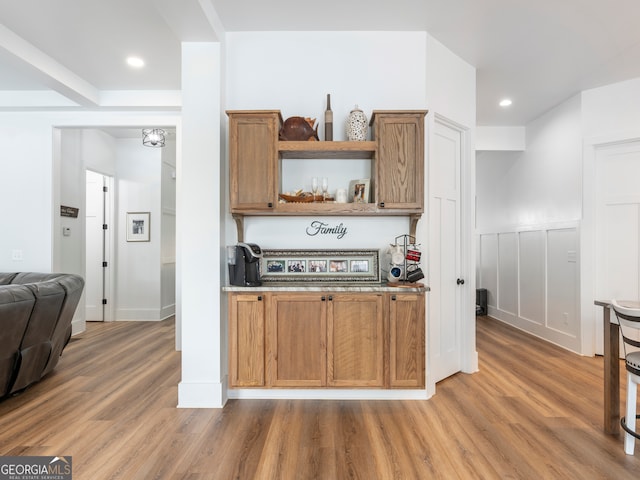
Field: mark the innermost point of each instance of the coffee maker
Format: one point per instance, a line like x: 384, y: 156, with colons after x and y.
x: 244, y: 264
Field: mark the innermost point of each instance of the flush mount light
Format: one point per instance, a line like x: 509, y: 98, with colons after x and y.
x: 153, y: 137
x: 135, y: 62
x: 505, y: 102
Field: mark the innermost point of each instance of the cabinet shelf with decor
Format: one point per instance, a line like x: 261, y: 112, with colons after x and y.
x: 327, y: 150
x: 396, y: 156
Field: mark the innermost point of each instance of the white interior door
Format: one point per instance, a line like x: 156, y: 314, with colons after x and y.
x: 96, y: 246
x: 617, y: 226
x: 445, y: 336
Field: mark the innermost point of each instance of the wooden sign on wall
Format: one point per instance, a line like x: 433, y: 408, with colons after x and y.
x: 68, y: 211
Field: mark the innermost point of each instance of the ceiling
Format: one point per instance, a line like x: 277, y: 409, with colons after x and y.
x: 538, y: 53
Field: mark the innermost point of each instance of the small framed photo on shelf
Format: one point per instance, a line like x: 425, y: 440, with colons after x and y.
x: 359, y: 190
x: 138, y: 226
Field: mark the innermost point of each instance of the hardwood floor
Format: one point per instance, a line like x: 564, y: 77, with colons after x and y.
x: 534, y: 411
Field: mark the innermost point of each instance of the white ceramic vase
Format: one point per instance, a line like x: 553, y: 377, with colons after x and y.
x: 357, y: 125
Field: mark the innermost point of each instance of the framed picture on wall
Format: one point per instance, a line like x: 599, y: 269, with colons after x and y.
x: 138, y: 227
x: 318, y: 266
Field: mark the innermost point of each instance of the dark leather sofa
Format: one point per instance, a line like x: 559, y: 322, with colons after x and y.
x: 36, y: 310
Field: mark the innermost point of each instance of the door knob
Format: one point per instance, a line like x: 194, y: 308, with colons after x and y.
x: 460, y: 281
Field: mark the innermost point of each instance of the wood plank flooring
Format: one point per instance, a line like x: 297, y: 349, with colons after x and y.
x: 534, y: 411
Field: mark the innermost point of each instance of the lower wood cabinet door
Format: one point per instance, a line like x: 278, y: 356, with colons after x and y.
x: 406, y: 338
x: 246, y: 340
x: 297, y: 347
x: 355, y: 340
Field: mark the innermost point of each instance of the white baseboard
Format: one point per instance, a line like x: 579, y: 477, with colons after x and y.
x: 202, y: 395
x: 326, y: 394
x: 145, y: 314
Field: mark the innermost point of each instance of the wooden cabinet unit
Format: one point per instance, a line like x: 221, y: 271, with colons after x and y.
x: 355, y: 340
x: 399, y: 159
x: 246, y: 340
x: 406, y: 340
x: 396, y: 157
x: 297, y: 347
x: 253, y: 160
x: 326, y: 339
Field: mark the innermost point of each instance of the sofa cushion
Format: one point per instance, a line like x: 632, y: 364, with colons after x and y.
x: 35, y: 349
x: 73, y: 285
x: 36, y: 310
x: 6, y: 278
x: 16, y: 304
x: 33, y: 277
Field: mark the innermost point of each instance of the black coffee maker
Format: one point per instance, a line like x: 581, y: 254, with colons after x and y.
x: 244, y: 264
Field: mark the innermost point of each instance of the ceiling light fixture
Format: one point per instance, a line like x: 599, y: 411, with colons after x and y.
x: 135, y: 62
x: 505, y: 102
x: 153, y: 137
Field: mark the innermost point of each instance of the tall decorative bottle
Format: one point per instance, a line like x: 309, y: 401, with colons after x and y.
x: 328, y: 120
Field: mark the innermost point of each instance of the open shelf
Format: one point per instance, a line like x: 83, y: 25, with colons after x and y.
x: 327, y: 150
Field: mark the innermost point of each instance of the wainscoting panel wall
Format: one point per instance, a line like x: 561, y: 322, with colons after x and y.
x: 507, y: 273
x: 531, y: 276
x: 532, y: 280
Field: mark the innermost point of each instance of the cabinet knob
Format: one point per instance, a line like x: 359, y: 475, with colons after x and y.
x: 381, y: 204
x: 330, y: 298
x: 460, y: 281
x: 323, y: 298
x: 270, y: 205
x: 259, y: 298
x: 393, y: 297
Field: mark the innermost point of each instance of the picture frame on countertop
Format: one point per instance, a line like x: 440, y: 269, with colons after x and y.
x: 319, y: 266
x: 138, y: 226
x: 359, y: 190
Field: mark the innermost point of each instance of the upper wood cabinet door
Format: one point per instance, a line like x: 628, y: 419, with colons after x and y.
x: 355, y: 340
x: 406, y: 338
x: 253, y: 159
x: 399, y: 161
x: 297, y: 347
x: 246, y: 340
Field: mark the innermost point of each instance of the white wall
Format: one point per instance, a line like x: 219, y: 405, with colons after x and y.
x: 138, y: 279
x: 26, y: 191
x: 76, y: 151
x: 529, y: 205
x: 501, y: 138
x: 541, y: 185
x: 199, y: 208
x: 609, y: 119
x: 451, y: 99
x: 607, y: 111
x: 375, y: 70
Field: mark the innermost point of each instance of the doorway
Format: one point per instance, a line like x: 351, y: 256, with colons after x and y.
x: 617, y: 225
x: 98, y: 260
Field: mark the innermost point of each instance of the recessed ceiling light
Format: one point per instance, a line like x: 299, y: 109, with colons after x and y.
x: 505, y: 102
x: 135, y: 62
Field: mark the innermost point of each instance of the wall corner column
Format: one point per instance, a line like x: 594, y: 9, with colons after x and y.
x: 198, y: 220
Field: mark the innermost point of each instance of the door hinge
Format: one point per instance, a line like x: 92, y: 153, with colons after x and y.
x: 104, y: 226
x: 104, y: 264
x: 104, y: 301
x: 105, y: 189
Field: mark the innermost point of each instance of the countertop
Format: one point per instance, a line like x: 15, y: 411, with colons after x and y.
x: 328, y: 287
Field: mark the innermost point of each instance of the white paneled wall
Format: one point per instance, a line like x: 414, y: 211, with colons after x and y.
x: 531, y: 275
x: 532, y: 280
